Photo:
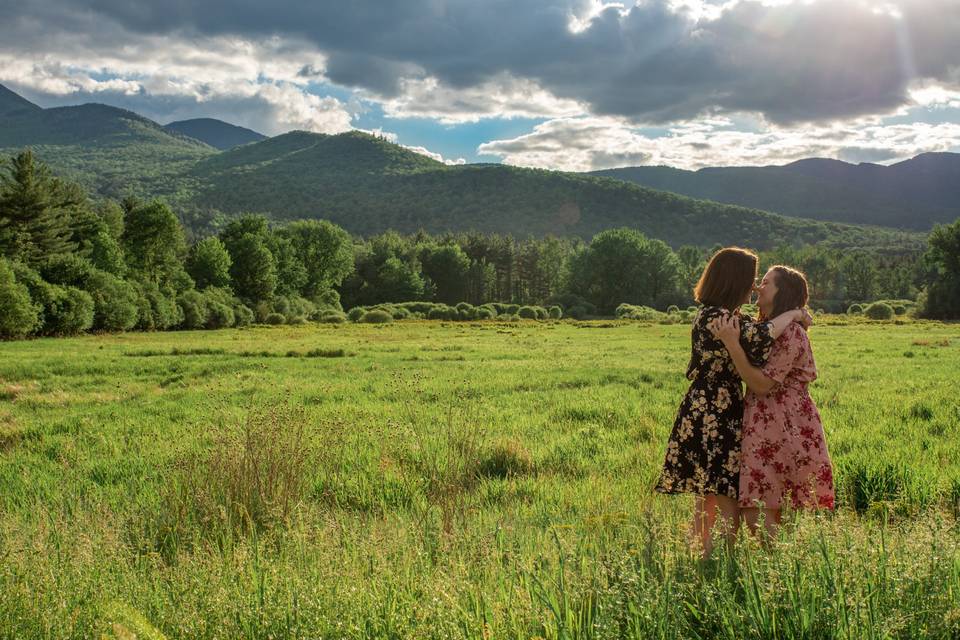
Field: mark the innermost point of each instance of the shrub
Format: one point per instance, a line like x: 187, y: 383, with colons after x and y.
x: 219, y: 316
x: 70, y: 312
x: 194, y: 308
x: 640, y: 312
x: 333, y: 317
x: 854, y: 309
x: 555, y: 312
x: 879, y: 311
x: 376, y: 316
x: 41, y: 292
x: 673, y: 309
x: 18, y: 315
x: 275, y: 318
x: 485, y: 313
x: 527, y: 313
x: 356, y: 313
x: 281, y: 305
x: 329, y: 299
x: 243, y: 316
x: 899, y: 309
x: 442, y: 312
x: 298, y: 309
x: 66, y: 269
x: 577, y: 312
x: 161, y: 310
x: 261, y: 310
x: 115, y: 305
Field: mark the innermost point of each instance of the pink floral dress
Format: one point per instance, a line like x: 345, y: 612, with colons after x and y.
x: 784, y: 456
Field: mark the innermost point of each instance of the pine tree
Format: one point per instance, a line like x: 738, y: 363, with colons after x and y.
x: 36, y: 210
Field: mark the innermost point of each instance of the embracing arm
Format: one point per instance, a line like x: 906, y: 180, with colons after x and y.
x: 782, y: 321
x: 728, y: 331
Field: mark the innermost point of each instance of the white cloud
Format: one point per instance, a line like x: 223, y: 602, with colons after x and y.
x: 433, y: 154
x: 590, y: 143
x: 501, y: 97
x: 257, y: 84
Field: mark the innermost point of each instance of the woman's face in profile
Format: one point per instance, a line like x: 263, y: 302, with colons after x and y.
x: 766, y: 291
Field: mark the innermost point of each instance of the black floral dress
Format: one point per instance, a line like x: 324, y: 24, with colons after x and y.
x: 703, y: 453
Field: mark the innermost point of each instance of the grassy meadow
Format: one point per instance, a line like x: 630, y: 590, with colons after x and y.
x: 452, y: 480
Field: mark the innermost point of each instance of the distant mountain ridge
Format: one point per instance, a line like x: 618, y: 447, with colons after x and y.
x: 11, y: 103
x: 368, y: 185
x: 913, y: 194
x: 216, y: 133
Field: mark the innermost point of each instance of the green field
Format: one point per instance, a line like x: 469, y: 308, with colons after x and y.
x: 434, y: 480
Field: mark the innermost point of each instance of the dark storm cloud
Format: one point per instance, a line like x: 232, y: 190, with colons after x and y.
x: 801, y: 62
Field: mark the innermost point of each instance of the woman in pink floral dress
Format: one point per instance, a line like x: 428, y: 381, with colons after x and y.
x: 784, y: 458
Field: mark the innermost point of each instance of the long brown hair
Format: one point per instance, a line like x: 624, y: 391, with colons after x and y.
x: 792, y: 290
x: 727, y: 279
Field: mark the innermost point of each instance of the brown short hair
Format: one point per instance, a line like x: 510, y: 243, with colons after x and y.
x: 792, y: 290
x: 727, y: 279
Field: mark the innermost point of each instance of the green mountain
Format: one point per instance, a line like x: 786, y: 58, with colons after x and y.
x: 111, y: 151
x: 216, y: 133
x: 11, y: 102
x: 913, y: 194
x: 368, y: 185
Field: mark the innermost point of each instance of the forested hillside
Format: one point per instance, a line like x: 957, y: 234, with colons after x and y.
x: 913, y: 194
x: 216, y: 133
x: 368, y: 185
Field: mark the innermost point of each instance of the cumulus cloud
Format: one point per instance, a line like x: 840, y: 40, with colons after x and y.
x: 501, y: 97
x: 433, y: 154
x: 591, y: 143
x: 259, y: 85
x: 649, y: 61
x: 600, y: 71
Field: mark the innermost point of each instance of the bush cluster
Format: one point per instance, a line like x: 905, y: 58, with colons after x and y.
x: 673, y: 314
x: 462, y: 311
x: 883, y: 309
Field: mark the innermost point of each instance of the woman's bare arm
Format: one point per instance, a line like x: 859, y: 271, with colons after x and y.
x: 782, y: 321
x: 728, y: 331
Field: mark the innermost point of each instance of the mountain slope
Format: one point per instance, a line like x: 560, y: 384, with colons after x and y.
x: 11, y: 102
x: 111, y: 151
x: 368, y: 185
x: 914, y: 194
x: 216, y: 133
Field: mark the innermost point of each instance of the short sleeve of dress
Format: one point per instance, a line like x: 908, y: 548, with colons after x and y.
x: 756, y: 340
x: 785, y: 358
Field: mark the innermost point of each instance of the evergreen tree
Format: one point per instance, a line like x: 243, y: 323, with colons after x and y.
x: 446, y: 268
x: 36, y: 210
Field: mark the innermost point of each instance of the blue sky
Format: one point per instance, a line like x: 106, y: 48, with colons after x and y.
x: 560, y: 84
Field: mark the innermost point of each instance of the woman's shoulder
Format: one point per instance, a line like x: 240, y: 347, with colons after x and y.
x: 795, y: 333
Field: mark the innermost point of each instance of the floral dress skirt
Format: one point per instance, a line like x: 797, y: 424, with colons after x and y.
x: 703, y: 452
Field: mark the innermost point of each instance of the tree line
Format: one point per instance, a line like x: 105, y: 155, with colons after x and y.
x: 69, y: 264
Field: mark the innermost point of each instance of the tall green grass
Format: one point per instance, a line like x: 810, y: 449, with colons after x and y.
x: 451, y: 481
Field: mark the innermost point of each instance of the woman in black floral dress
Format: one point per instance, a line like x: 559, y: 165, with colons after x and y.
x: 703, y: 453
